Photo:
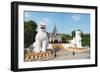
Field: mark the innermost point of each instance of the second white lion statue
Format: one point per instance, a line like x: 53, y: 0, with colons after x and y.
x: 77, y: 40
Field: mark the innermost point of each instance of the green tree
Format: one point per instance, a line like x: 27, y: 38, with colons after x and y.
x: 73, y: 33
x: 29, y: 32
x: 86, y: 40
x: 66, y: 38
x: 63, y: 36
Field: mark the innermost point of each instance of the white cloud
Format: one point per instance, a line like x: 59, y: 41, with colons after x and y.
x: 76, y: 17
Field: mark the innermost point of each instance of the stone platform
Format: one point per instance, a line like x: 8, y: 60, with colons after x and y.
x: 75, y: 49
x: 33, y: 56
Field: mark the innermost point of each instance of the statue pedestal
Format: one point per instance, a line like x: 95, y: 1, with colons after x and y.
x: 79, y: 50
x: 33, y: 56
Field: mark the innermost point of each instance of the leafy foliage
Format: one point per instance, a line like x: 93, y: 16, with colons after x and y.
x: 65, y: 38
x: 86, y: 40
x: 29, y: 33
x: 73, y: 33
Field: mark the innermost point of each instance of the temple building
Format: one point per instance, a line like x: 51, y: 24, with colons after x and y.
x: 54, y: 36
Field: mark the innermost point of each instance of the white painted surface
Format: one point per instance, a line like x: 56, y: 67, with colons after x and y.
x: 5, y: 36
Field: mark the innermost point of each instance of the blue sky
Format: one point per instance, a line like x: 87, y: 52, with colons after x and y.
x: 65, y: 22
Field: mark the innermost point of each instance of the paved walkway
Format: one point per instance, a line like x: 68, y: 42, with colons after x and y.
x: 63, y: 54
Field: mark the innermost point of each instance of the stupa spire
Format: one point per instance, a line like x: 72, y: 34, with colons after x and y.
x: 54, y: 30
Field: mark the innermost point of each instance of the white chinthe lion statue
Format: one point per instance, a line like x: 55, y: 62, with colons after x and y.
x: 76, y: 42
x: 41, y: 39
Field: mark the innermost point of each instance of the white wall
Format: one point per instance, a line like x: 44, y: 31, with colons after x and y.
x: 5, y: 35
